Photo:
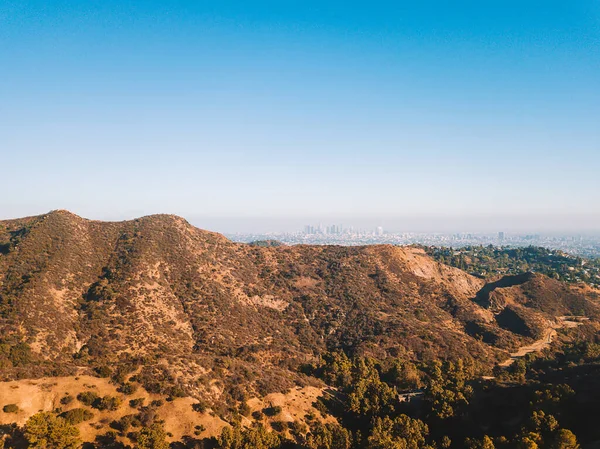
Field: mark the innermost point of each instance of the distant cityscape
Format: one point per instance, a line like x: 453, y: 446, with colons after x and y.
x: 585, y: 245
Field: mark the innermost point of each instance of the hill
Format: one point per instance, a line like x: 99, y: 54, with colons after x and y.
x: 186, y: 312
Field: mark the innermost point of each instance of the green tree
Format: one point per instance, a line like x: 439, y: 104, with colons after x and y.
x: 401, y: 432
x: 370, y: 397
x: 77, y: 415
x: 45, y: 430
x: 448, y: 392
x: 328, y: 436
x: 485, y: 443
x: 253, y: 438
x: 564, y: 439
x: 404, y: 375
x: 152, y: 437
x: 528, y: 440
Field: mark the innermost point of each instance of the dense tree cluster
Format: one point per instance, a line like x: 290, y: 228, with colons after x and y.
x: 390, y: 404
x: 485, y: 261
x: 45, y: 430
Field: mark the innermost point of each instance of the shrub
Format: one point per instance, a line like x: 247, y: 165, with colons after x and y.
x: 177, y: 392
x: 66, y: 400
x: 103, y: 371
x: 244, y: 409
x: 199, y: 407
x: 77, y: 415
x: 127, y: 388
x: 279, y: 426
x: 107, y: 403
x: 157, y: 403
x: 87, y: 397
x: 135, y: 403
x: 125, y: 423
x: 272, y: 411
x: 10, y: 408
x: 147, y: 415
x: 297, y: 428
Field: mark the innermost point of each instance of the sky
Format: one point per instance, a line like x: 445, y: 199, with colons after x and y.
x: 249, y: 114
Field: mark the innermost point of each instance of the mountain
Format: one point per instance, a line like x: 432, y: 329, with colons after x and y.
x: 192, y: 313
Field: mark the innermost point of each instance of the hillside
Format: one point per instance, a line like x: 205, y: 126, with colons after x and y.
x: 88, y: 293
x: 186, y: 312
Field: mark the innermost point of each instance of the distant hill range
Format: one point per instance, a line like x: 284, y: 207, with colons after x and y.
x: 194, y: 313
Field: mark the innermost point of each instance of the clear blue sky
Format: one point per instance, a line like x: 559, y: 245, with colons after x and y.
x: 287, y: 110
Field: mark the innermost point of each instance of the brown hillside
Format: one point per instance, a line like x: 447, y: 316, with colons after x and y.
x: 197, y: 314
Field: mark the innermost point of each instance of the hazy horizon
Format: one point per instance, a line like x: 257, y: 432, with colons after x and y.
x: 474, y: 115
x: 566, y: 225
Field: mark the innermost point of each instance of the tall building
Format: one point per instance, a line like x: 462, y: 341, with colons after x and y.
x: 501, y: 236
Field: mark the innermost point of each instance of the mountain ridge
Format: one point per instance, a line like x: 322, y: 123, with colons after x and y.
x: 157, y: 295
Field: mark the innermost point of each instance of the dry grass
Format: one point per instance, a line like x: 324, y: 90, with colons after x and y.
x: 32, y: 396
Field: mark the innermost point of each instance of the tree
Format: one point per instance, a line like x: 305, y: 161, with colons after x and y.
x: 485, y: 443
x: 152, y: 437
x: 336, y: 369
x: 402, y: 432
x: 528, y: 440
x: 370, y: 397
x: 448, y: 391
x: 404, y: 375
x: 45, y: 430
x: 254, y: 438
x: 565, y: 439
x: 328, y: 436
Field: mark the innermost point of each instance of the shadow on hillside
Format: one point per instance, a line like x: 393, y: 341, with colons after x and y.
x: 483, y: 295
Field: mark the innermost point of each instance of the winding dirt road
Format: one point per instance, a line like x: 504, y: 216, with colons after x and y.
x: 546, y: 340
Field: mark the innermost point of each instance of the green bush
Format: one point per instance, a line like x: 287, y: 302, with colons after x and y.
x: 103, y: 371
x: 126, y: 422
x: 77, y: 415
x: 45, y: 430
x: 200, y: 406
x: 10, y: 408
x: 135, y: 403
x: 272, y: 411
x: 107, y: 403
x: 127, y: 388
x: 87, y: 397
x: 101, y: 403
x: 66, y: 400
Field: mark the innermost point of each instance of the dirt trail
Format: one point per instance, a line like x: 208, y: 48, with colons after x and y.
x: 546, y: 340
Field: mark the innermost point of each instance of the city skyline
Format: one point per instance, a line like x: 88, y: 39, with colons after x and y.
x: 584, y: 245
